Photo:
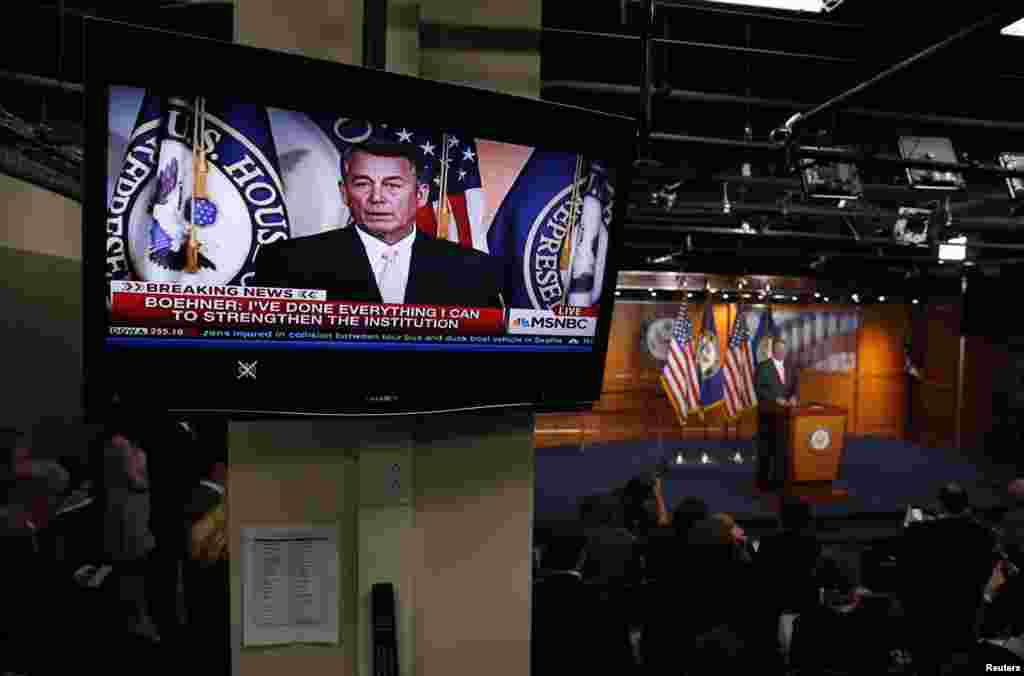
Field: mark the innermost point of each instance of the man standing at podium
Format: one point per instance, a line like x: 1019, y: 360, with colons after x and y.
x: 773, y: 383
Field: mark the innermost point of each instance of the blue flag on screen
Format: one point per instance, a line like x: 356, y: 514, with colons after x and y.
x: 766, y: 331
x: 199, y: 192
x: 709, y: 360
x: 530, y: 228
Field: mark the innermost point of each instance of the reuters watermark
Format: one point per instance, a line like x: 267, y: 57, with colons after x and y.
x: 1002, y: 668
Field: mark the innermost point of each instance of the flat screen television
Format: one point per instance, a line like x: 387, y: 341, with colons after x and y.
x: 267, y: 234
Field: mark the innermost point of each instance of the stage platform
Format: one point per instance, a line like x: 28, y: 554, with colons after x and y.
x: 879, y: 478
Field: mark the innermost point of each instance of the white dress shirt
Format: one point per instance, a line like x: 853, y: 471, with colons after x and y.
x: 390, y: 264
x: 780, y: 366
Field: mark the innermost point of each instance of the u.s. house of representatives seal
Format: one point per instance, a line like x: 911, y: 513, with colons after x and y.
x: 175, y: 215
x: 820, y: 439
x: 546, y: 282
x: 656, y: 337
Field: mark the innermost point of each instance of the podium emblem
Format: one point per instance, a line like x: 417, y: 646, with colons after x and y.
x: 821, y: 439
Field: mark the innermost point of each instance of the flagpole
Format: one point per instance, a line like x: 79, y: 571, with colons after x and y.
x: 671, y: 400
x: 198, y: 187
x: 442, y: 216
x: 567, y: 254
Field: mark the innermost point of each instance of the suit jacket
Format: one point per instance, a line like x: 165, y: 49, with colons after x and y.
x: 440, y: 272
x: 768, y: 384
x: 786, y: 563
x: 944, y: 566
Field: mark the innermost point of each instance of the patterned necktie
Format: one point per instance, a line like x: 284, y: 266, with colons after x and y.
x: 387, y: 277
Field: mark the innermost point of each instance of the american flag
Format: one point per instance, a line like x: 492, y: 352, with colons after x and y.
x: 681, y: 377
x: 739, y: 377
x: 461, y: 220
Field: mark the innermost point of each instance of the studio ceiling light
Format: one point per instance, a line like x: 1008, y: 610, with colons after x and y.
x: 791, y: 5
x: 1016, y: 29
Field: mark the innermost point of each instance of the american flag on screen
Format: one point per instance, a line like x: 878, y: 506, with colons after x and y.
x: 739, y: 377
x: 451, y: 165
x: 680, y: 377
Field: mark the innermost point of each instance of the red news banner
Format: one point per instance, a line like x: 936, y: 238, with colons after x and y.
x: 207, y: 307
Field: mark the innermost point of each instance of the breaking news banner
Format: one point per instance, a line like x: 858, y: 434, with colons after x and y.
x: 184, y: 310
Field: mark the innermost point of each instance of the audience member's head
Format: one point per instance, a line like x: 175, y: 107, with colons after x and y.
x: 213, y: 466
x: 8, y: 441
x: 586, y: 509
x: 839, y: 573
x: 607, y: 513
x: 17, y: 453
x: 717, y: 529
x: 78, y: 470
x: 563, y: 553
x: 733, y: 532
x: 687, y: 513
x: 953, y: 499
x: 1016, y: 492
x: 796, y: 515
x: 124, y: 455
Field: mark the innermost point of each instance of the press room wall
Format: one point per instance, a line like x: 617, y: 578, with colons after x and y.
x: 40, y: 298
x: 633, y: 405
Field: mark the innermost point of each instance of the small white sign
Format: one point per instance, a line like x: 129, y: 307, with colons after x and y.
x: 290, y: 584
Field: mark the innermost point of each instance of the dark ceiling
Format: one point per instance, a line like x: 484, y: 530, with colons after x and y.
x: 41, y: 135
x: 718, y: 69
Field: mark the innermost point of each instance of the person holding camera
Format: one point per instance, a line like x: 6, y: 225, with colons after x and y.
x: 944, y: 564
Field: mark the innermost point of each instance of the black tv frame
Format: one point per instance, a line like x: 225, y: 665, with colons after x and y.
x: 310, y: 382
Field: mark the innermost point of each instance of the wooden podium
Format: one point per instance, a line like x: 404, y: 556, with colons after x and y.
x: 799, y: 446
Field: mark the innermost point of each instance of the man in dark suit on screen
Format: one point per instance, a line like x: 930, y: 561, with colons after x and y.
x: 382, y: 257
x: 773, y: 383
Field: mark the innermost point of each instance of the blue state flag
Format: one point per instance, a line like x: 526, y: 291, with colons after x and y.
x: 198, y: 194
x: 535, y: 224
x: 709, y: 361
x: 766, y: 331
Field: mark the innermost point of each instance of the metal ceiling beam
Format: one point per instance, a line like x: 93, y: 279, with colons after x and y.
x: 758, y: 51
x: 751, y: 13
x: 667, y: 224
x: 842, y: 155
x: 695, y: 44
x: 646, y: 77
x: 785, y: 132
x: 691, y: 96
x: 43, y: 82
x: 17, y: 165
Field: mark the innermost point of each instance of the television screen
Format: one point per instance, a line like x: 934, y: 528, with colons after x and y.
x: 932, y: 149
x: 275, y: 248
